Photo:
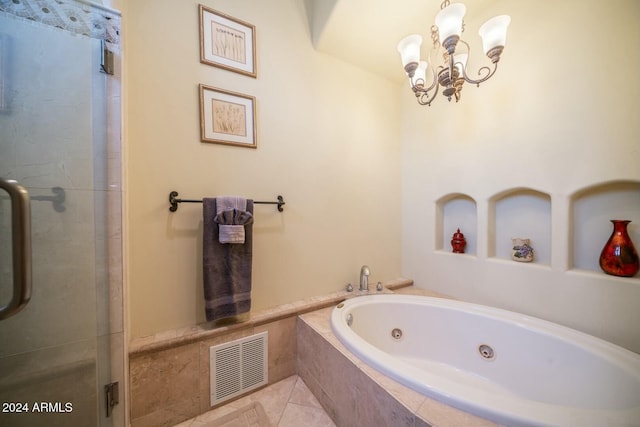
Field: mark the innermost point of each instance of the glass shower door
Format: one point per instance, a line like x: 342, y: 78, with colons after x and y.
x: 55, y: 351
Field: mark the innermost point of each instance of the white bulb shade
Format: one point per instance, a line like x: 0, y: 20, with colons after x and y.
x: 460, y: 61
x: 409, y: 48
x: 421, y: 74
x: 449, y: 21
x: 494, y: 32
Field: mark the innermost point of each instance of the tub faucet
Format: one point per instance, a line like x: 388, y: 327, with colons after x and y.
x: 364, y: 278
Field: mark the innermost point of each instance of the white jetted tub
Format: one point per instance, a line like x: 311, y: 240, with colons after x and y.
x: 510, y: 368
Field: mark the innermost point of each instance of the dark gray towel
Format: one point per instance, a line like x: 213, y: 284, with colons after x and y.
x: 226, y: 267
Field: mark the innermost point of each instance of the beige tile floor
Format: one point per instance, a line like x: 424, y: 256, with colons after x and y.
x: 288, y: 403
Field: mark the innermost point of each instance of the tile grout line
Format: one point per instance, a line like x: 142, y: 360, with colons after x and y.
x: 288, y: 400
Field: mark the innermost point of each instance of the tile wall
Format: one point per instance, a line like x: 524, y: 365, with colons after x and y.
x: 169, y: 379
x: 169, y: 372
x: 171, y: 385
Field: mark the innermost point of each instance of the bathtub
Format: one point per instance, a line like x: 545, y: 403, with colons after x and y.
x: 510, y: 368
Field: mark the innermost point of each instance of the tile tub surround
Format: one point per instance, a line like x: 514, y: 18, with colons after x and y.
x: 169, y: 372
x: 199, y: 332
x: 354, y: 394
x: 171, y: 384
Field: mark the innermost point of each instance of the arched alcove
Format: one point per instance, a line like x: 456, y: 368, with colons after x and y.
x: 592, y: 208
x: 453, y: 211
x: 520, y: 212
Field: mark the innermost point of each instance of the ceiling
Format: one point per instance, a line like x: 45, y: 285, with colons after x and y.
x: 366, y: 32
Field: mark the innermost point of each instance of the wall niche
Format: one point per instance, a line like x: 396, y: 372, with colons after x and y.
x: 455, y: 211
x: 520, y: 212
x: 592, y: 208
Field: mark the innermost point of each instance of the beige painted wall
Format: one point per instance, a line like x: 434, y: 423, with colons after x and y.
x: 560, y: 115
x: 326, y: 142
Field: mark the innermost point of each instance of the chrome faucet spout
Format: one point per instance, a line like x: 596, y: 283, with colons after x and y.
x: 364, y: 278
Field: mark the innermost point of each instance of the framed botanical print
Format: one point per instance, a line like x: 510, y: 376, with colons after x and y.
x: 227, y: 117
x: 227, y: 42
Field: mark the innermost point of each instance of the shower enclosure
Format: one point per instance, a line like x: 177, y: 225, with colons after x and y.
x: 61, y: 317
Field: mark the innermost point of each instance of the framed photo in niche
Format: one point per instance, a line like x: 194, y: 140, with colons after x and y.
x: 227, y: 42
x: 227, y: 117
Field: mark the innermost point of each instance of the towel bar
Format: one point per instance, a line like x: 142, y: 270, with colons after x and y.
x: 173, y: 201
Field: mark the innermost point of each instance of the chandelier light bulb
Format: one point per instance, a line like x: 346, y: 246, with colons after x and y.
x: 420, y: 76
x: 494, y: 32
x: 460, y: 60
x: 449, y: 21
x: 409, y: 49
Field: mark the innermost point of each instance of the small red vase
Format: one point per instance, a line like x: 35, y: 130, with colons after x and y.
x: 458, y: 242
x: 619, y: 256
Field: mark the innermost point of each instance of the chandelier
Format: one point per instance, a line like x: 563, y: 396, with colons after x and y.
x: 452, y: 73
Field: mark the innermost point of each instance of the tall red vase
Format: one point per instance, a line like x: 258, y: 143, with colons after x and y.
x: 619, y: 256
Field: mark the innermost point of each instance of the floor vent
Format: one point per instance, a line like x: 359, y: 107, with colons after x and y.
x: 238, y: 367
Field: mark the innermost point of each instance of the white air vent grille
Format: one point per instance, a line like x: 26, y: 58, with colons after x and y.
x: 238, y: 367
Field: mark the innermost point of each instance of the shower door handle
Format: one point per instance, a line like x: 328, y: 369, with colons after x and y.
x: 21, y: 247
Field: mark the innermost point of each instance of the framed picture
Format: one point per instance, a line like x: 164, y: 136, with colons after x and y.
x: 227, y: 42
x: 227, y: 117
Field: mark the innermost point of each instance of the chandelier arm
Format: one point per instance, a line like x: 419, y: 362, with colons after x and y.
x: 422, y: 96
x: 486, y: 70
x: 434, y: 82
x: 429, y: 100
x: 488, y: 73
x: 420, y: 88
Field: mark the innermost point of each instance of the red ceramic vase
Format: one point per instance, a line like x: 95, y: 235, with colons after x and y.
x: 619, y: 256
x: 458, y: 242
